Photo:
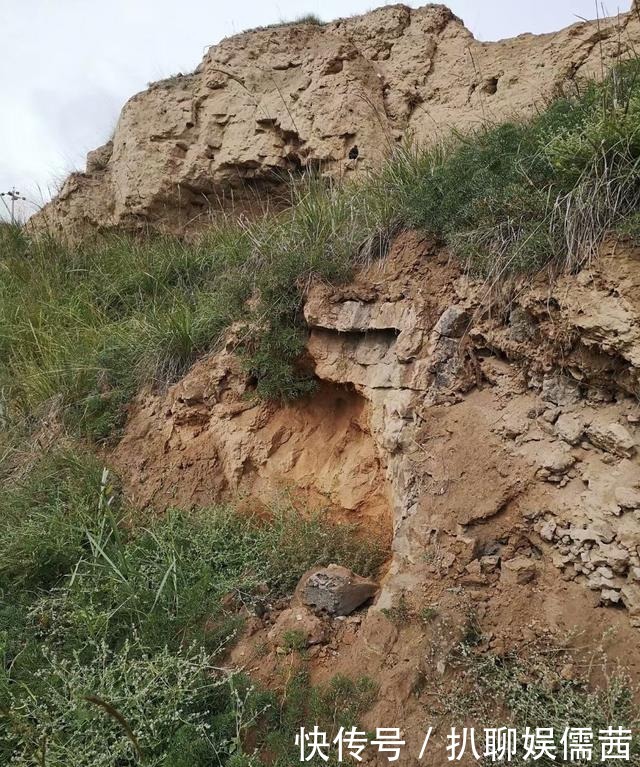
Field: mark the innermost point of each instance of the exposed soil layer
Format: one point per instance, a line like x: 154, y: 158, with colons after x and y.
x: 206, y: 442
x: 491, y: 440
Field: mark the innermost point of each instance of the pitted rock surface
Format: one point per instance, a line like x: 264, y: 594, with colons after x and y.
x: 335, y: 590
x: 335, y: 98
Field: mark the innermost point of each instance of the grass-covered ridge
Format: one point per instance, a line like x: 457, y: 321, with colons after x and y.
x: 85, y: 327
x: 100, y: 613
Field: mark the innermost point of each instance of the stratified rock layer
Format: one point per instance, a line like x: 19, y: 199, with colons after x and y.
x: 334, y: 97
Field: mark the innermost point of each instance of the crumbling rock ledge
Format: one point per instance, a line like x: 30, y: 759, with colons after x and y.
x: 335, y: 98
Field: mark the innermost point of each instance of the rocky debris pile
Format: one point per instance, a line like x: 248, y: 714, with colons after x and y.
x: 580, y: 436
x: 606, y: 555
x: 596, y: 535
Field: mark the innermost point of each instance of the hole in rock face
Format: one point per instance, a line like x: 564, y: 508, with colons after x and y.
x: 353, y: 153
x: 490, y: 86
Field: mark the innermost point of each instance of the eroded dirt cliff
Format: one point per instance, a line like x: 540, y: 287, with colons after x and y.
x: 491, y: 439
x: 333, y: 97
x: 488, y: 437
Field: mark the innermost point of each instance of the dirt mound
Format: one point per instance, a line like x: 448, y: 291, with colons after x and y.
x: 333, y: 97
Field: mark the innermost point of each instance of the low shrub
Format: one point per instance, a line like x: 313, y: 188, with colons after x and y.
x: 536, y: 691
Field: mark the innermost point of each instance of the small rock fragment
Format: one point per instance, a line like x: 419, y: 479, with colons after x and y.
x: 560, y: 389
x: 627, y: 497
x: 378, y: 632
x: 546, y: 529
x: 522, y: 326
x: 518, y: 570
x: 612, y: 438
x: 570, y: 428
x: 630, y: 594
x: 556, y: 461
x: 610, y: 596
x: 489, y: 564
x: 452, y: 323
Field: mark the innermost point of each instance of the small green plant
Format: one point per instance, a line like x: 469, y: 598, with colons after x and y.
x: 340, y: 703
x: 472, y: 635
x: 294, y: 641
x: 428, y: 614
x: 630, y: 228
x: 399, y: 613
x: 308, y: 18
x: 523, y: 691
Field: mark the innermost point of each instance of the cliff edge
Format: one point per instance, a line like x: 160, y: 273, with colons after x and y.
x: 334, y: 97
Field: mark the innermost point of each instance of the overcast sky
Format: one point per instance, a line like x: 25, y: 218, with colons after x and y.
x: 68, y: 66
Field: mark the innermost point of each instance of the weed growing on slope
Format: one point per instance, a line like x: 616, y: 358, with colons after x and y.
x: 549, y: 688
x: 98, y: 614
x: 340, y: 703
x: 307, y: 18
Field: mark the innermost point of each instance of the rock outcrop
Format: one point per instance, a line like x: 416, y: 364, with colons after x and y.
x: 333, y: 97
x: 485, y: 457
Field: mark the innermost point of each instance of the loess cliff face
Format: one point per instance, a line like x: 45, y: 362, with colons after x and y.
x: 333, y: 97
x: 502, y: 434
x: 493, y: 443
x: 490, y: 440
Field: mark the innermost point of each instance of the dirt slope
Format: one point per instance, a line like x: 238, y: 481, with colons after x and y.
x: 495, y: 443
x: 490, y: 441
x: 335, y: 97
